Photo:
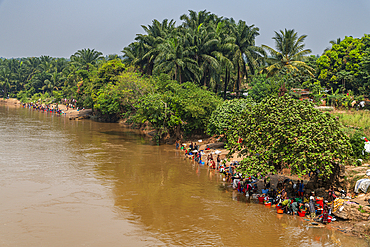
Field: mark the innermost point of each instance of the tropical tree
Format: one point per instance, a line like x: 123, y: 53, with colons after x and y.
x: 223, y: 53
x: 193, y: 20
x: 5, y: 79
x: 282, y: 132
x: 203, y: 43
x: 289, y: 54
x: 225, y: 114
x: 173, y: 58
x: 85, y: 58
x: 246, y: 52
x: 143, y: 52
x: 332, y: 42
x: 341, y: 66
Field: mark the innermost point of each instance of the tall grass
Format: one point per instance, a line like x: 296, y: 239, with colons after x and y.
x: 354, y: 121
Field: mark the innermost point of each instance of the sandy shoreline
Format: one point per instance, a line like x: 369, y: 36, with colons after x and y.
x: 72, y: 114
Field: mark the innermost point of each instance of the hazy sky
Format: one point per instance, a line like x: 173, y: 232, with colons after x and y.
x: 59, y: 28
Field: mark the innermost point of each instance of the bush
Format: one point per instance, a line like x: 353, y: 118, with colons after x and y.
x: 173, y: 104
x: 358, y: 144
x: 222, y: 118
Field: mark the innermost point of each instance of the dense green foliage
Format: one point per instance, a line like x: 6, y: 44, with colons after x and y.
x: 208, y: 50
x: 263, y: 87
x: 172, y: 78
x: 282, y: 132
x: 172, y: 107
x: 358, y: 143
x: 346, y: 65
x: 223, y: 117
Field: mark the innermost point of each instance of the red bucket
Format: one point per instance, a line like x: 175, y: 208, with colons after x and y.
x: 320, y: 202
x: 329, y: 219
x: 302, y: 214
x: 278, y: 207
x: 268, y: 204
x: 261, y: 199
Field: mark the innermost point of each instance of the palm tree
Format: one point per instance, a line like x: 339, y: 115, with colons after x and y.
x: 143, y: 52
x: 133, y: 54
x: 224, y: 52
x: 288, y: 55
x: 194, y: 19
x: 85, y: 58
x: 56, y: 80
x: 332, y: 42
x: 202, y: 42
x: 246, y: 52
x: 335, y: 42
x: 32, y: 65
x: 173, y: 58
x: 5, y: 78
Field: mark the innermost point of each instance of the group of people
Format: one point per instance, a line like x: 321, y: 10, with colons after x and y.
x: 45, y: 108
x: 288, y: 196
x: 51, y: 108
x: 70, y: 103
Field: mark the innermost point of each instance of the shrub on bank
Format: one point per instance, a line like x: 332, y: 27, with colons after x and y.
x: 225, y: 114
x: 174, y: 107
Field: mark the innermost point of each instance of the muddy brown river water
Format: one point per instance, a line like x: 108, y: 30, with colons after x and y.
x: 83, y: 183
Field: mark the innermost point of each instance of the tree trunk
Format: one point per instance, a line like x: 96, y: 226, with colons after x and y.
x: 238, y: 82
x: 344, y: 85
x: 217, y: 85
x: 226, y: 82
x: 205, y: 78
x: 180, y: 77
x: 149, y: 70
x: 176, y: 73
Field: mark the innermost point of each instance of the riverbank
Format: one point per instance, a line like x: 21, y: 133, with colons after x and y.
x: 347, y: 227
x: 72, y: 114
x: 352, y: 219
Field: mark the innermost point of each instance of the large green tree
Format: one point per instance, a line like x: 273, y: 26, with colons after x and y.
x: 223, y: 117
x: 341, y: 67
x: 174, y: 58
x: 282, y: 132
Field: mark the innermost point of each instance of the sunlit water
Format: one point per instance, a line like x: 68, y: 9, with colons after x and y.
x: 83, y: 183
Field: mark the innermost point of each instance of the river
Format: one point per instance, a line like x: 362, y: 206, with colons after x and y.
x: 84, y: 183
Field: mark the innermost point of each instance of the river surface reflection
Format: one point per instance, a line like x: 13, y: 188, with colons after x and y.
x: 83, y: 183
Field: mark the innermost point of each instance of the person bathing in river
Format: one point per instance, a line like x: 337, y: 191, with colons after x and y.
x: 332, y: 195
x: 191, y: 145
x: 300, y: 188
x: 325, y: 213
x: 312, y: 205
x: 218, y: 161
x: 209, y: 159
x: 284, y: 194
